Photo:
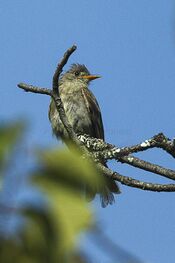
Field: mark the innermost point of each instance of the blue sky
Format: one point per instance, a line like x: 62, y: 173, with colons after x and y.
x: 131, y: 44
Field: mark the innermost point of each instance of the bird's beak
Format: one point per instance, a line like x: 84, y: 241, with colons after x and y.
x: 90, y: 77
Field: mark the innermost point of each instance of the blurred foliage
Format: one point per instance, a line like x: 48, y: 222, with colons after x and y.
x: 9, y: 134
x: 50, y: 233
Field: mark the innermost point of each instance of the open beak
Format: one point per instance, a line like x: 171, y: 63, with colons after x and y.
x: 90, y: 77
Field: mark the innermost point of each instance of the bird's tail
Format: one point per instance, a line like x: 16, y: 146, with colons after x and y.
x: 106, y: 192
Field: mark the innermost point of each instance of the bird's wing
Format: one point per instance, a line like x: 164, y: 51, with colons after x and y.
x: 95, y: 113
x: 51, y: 109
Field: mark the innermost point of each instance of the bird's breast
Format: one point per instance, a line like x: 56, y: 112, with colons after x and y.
x: 77, y: 111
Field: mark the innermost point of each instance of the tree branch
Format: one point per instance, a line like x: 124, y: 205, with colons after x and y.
x: 106, y: 151
x: 147, y: 166
x: 129, y: 181
x: 34, y: 89
x: 54, y: 93
x: 100, y: 150
x: 109, y: 151
x: 60, y: 66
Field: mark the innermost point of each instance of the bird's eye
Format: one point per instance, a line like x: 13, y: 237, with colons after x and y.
x: 77, y: 73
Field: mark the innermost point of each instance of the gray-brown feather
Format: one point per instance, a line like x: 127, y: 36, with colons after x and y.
x: 83, y: 113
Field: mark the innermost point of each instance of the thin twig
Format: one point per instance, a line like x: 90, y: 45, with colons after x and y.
x: 34, y: 89
x: 147, y: 166
x: 56, y: 95
x: 60, y: 66
x: 165, y: 143
x: 129, y: 181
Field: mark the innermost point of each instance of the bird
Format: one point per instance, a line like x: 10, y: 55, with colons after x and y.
x: 84, y: 115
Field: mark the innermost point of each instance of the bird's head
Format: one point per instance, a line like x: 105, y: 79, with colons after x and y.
x: 78, y: 73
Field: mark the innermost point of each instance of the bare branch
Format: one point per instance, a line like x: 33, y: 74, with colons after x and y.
x: 60, y: 66
x: 106, y: 151
x: 129, y: 181
x: 34, y: 89
x: 165, y: 143
x: 147, y: 166
x: 100, y: 150
x: 54, y: 93
x: 109, y: 151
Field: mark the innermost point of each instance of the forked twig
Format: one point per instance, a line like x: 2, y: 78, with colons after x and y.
x: 102, y: 150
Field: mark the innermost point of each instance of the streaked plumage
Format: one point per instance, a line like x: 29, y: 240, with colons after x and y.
x: 84, y: 115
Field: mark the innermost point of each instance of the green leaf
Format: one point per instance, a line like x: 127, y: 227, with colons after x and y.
x: 61, y: 179
x: 51, y: 233
x: 39, y: 236
x: 70, y: 169
x: 9, y: 135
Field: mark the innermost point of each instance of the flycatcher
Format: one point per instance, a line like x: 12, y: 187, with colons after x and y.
x: 84, y: 115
